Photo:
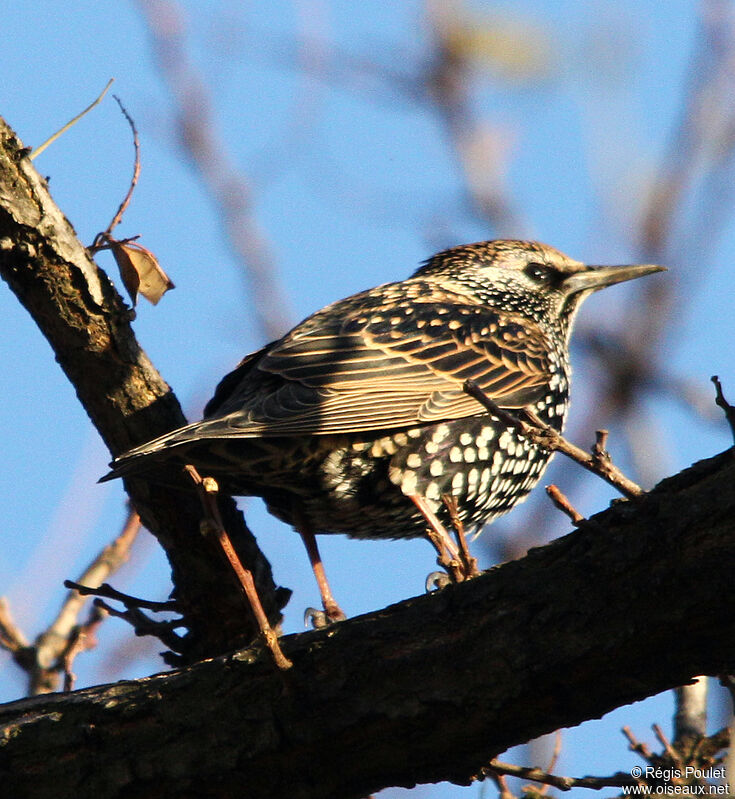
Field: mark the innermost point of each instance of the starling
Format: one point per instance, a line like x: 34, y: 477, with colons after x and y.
x: 356, y: 421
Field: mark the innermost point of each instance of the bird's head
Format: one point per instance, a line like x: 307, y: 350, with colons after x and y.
x: 526, y: 276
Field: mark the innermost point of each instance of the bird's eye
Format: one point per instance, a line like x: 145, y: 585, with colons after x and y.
x: 539, y: 272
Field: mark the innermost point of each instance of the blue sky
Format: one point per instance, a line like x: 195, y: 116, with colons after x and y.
x: 353, y: 185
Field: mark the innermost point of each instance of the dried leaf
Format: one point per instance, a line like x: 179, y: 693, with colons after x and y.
x: 140, y: 271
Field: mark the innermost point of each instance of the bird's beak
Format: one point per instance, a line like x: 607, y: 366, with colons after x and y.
x: 593, y: 278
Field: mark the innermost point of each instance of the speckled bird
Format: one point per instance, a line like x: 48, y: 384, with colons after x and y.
x: 356, y: 421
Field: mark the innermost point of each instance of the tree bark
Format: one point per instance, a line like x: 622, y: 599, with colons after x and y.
x: 88, y: 326
x: 636, y: 601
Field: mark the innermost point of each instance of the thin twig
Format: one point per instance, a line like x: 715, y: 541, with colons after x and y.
x: 82, y: 639
x: 553, y: 760
x: 563, y: 504
x: 635, y: 746
x: 145, y: 625
x: 105, y: 236
x: 670, y: 751
x: 724, y: 404
x: 618, y: 780
x: 504, y: 792
x: 599, y: 449
x: 11, y: 636
x: 545, y: 436
x: 713, y: 744
x: 106, y: 590
x: 71, y: 122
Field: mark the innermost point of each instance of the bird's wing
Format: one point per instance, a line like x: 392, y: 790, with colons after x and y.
x: 228, y: 386
x: 367, y: 364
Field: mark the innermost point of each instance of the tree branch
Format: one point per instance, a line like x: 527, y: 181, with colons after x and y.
x: 88, y: 326
x: 594, y: 620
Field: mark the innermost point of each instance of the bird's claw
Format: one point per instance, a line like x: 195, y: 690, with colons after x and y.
x: 436, y: 581
x: 318, y: 619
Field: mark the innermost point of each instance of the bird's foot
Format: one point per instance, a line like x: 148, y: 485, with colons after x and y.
x: 470, y: 569
x: 454, y: 568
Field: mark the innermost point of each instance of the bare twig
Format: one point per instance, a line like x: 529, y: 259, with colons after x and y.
x: 679, y: 762
x: 105, y: 236
x: 545, y: 436
x: 106, y: 590
x: 636, y: 746
x: 81, y: 640
x: 213, y: 524
x: 669, y: 749
x: 508, y: 419
x: 701, y: 756
x: 618, y: 780
x: 599, y: 450
x: 564, y: 505
x: 144, y: 625
x: 556, y: 752
x: 724, y: 404
x: 504, y: 791
x: 71, y: 122
x: 11, y: 636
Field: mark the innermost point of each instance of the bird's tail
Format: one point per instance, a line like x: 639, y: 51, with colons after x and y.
x: 146, y: 455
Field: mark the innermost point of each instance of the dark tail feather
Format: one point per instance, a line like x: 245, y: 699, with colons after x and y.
x: 124, y: 466
x: 149, y: 454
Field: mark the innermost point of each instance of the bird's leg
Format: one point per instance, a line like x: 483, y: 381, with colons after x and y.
x: 212, y: 524
x: 332, y: 611
x: 468, y: 562
x: 448, y: 555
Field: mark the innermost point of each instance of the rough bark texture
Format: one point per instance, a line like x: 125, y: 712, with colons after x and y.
x: 88, y: 326
x: 637, y: 601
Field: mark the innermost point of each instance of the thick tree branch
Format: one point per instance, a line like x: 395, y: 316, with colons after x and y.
x: 430, y: 689
x: 88, y: 326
